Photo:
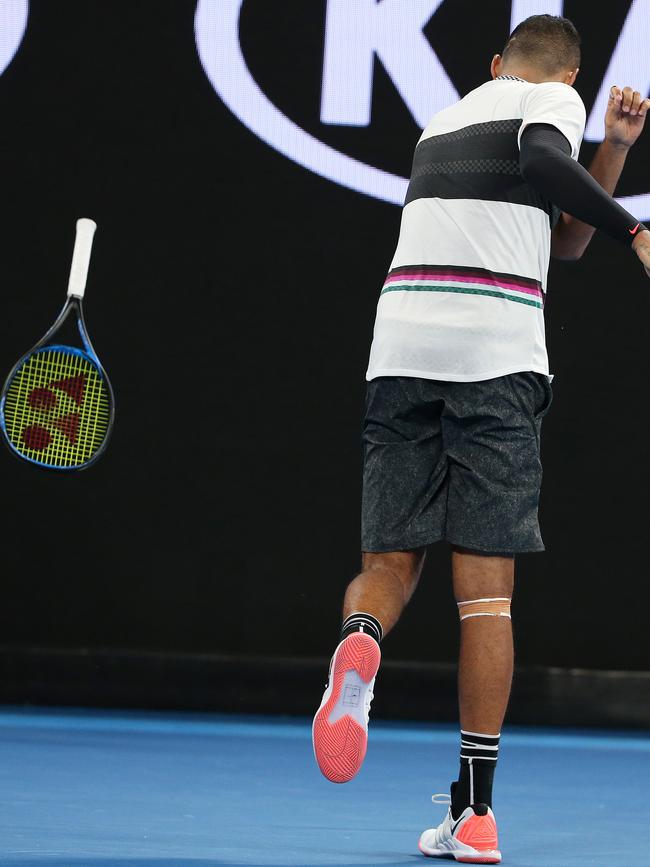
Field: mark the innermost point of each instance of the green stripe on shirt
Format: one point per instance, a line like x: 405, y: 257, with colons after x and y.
x: 410, y: 287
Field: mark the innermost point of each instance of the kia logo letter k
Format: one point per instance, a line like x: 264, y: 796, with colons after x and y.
x: 357, y: 31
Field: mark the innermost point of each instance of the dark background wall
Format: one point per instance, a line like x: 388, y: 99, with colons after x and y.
x: 231, y: 298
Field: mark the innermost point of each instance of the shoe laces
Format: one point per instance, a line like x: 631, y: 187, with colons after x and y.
x: 444, y: 830
x: 441, y: 799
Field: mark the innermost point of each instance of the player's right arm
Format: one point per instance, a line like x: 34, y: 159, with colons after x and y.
x: 546, y: 164
x: 551, y: 131
x: 624, y: 122
x: 549, y: 141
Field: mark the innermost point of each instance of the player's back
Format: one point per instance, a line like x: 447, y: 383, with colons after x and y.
x: 464, y: 296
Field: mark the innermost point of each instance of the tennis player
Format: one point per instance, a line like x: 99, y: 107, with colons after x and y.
x: 458, y: 386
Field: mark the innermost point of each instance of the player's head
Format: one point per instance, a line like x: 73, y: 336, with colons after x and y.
x: 541, y: 48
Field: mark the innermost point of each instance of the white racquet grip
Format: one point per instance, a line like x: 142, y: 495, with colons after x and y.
x: 81, y: 257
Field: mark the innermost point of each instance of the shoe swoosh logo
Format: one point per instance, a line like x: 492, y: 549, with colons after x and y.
x: 453, y: 830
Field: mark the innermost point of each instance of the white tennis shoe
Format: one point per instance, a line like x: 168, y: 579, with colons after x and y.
x: 470, y: 839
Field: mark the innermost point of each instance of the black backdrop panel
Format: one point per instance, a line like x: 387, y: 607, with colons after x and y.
x: 231, y: 298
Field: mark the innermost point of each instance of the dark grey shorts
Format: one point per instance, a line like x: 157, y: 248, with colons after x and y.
x: 453, y: 460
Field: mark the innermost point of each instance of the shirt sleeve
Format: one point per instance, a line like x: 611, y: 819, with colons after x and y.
x: 560, y: 106
x: 547, y: 166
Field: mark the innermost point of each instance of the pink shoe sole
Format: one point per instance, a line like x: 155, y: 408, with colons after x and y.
x: 340, y: 746
x: 488, y: 858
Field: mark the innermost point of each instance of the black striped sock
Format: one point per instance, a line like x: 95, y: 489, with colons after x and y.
x: 362, y: 622
x: 478, y: 759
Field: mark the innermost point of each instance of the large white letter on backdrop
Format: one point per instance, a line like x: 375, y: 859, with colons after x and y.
x: 358, y: 30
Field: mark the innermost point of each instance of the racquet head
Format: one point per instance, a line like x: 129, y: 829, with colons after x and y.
x: 56, y: 408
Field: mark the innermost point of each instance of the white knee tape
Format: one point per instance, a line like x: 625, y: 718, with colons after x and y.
x: 492, y: 607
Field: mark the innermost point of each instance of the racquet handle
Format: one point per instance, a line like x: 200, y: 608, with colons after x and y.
x: 81, y: 257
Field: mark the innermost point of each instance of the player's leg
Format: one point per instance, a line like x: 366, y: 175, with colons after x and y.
x: 373, y: 603
x: 385, y: 586
x: 486, y: 645
x: 492, y: 434
x: 483, y: 588
x: 403, y: 510
x: 485, y: 668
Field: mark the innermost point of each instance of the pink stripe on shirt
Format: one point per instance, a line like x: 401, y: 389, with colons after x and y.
x: 432, y: 278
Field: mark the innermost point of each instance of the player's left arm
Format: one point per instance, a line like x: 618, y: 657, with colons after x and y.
x: 624, y: 120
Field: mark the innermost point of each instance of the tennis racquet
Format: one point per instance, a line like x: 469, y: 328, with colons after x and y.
x: 56, y: 407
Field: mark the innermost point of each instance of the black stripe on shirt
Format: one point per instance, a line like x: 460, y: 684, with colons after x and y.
x: 479, y: 161
x: 465, y: 271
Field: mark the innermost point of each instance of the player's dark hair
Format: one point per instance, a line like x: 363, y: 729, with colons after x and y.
x: 549, y: 42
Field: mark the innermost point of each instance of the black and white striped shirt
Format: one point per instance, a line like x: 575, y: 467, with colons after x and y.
x: 464, y: 296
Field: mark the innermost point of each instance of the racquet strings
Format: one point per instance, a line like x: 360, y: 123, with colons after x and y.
x: 57, y: 408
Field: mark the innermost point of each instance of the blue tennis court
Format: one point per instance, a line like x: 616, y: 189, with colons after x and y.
x: 103, y: 789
